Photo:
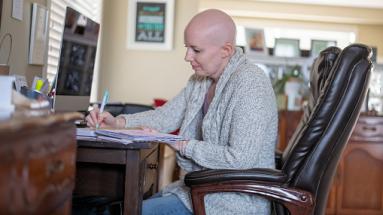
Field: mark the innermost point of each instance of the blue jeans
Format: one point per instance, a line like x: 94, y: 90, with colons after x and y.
x: 164, y: 205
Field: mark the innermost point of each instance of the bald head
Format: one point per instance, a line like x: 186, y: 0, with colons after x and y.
x: 215, y: 25
x: 210, y: 42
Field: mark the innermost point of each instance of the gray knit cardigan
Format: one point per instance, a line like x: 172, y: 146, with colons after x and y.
x: 239, y: 131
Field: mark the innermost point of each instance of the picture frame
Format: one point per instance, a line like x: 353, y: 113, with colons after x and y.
x: 255, y: 40
x: 38, y: 35
x: 1, y: 9
x: 286, y: 47
x: 150, y: 24
x: 319, y: 45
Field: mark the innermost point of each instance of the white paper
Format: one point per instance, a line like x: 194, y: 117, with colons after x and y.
x: 126, y: 136
x: 112, y: 139
x: 90, y: 134
x: 17, y: 9
x: 85, y: 132
x: 6, y: 83
x: 140, y: 136
x: 20, y: 81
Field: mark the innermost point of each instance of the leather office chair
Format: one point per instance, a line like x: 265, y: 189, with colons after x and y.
x: 319, y: 73
x: 130, y: 108
x: 114, y: 108
x: 339, y: 82
x: 126, y: 108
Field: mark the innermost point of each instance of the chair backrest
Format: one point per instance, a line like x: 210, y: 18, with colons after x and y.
x: 130, y: 108
x: 114, y: 108
x: 339, y: 81
x: 126, y: 108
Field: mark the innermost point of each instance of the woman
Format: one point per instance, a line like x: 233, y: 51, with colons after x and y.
x: 227, y: 111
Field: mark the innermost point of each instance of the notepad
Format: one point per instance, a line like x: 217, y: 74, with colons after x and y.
x: 85, y: 132
x: 127, y: 136
x: 140, y: 136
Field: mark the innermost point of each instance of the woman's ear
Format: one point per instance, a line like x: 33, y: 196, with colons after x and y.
x: 227, y: 50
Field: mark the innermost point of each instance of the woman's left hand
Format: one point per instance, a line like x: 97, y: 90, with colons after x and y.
x: 179, y: 146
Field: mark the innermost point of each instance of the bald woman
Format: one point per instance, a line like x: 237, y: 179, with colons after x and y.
x: 227, y: 111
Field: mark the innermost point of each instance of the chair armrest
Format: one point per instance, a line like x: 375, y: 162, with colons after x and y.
x: 268, y: 183
x: 297, y: 201
x: 221, y: 175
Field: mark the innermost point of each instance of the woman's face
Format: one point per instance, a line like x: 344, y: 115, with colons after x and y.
x: 204, y: 55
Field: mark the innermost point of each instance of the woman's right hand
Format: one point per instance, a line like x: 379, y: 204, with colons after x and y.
x: 104, y: 119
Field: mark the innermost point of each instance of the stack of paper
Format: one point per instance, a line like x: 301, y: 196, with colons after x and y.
x: 85, y: 132
x: 126, y: 136
x: 140, y: 136
x: 90, y: 134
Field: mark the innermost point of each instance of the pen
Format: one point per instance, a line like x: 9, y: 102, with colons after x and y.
x: 103, y: 103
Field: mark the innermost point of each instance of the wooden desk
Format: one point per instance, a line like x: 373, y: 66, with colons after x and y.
x: 117, y: 171
x: 37, y: 163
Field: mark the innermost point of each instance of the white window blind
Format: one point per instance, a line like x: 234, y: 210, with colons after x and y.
x: 90, y: 8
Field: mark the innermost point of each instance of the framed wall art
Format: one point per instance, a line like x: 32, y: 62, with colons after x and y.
x: 150, y: 24
x: 1, y: 9
x: 38, y: 35
x: 319, y: 45
x: 255, y: 39
x: 286, y: 47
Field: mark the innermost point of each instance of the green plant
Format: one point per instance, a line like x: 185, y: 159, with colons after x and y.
x: 294, y: 73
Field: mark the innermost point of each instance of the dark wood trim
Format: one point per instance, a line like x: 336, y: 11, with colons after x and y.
x: 132, y: 170
x: 118, y: 173
x: 105, y: 156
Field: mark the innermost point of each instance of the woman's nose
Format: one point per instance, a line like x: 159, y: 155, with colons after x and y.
x: 188, y: 56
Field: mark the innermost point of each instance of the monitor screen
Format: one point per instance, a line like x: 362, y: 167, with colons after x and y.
x: 77, y: 61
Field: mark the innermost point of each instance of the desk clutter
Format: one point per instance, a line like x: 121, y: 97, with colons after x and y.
x: 15, y: 95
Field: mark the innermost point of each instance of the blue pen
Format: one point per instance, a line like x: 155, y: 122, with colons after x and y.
x: 103, y: 103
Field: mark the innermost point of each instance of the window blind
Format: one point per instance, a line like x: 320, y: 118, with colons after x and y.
x: 90, y: 8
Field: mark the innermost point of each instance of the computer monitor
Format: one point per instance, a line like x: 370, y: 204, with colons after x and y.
x: 77, y: 60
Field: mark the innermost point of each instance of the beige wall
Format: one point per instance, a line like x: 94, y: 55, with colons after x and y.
x: 141, y: 75
x: 20, y: 33
x: 299, y: 12
x: 366, y: 22
x: 372, y: 35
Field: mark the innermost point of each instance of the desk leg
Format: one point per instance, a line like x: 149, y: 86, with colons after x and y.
x: 133, y: 183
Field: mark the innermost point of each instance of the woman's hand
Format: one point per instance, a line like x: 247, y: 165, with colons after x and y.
x: 151, y: 130
x: 179, y: 146
x: 104, y: 119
